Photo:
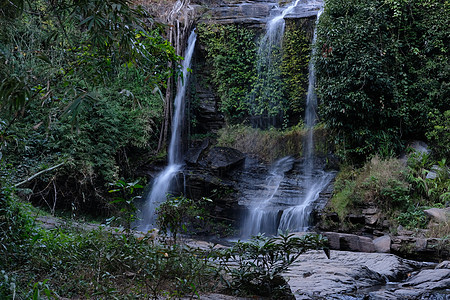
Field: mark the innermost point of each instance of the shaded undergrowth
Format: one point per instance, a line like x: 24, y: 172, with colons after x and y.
x: 273, y: 143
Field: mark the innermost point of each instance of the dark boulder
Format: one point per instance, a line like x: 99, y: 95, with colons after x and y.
x: 193, y: 155
x: 222, y: 160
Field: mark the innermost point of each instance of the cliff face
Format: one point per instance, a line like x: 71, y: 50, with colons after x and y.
x: 253, y: 13
x: 182, y: 16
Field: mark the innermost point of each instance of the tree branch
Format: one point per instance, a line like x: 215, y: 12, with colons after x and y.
x: 38, y: 173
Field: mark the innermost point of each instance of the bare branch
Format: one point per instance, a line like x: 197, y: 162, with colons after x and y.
x: 38, y: 173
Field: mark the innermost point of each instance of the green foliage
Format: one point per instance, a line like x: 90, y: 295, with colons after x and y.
x: 439, y: 134
x: 232, y: 52
x: 82, y: 83
x: 125, y: 198
x: 403, y: 192
x: 7, y: 286
x: 16, y: 227
x: 431, y: 190
x: 73, y: 263
x: 294, y: 68
x: 257, y: 90
x: 413, y: 218
x: 379, y: 182
x: 343, y: 200
x: 177, y: 213
x: 172, y: 214
x: 381, y: 67
x: 262, y: 261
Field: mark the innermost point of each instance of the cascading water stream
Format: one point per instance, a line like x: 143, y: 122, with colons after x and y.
x: 163, y: 181
x: 263, y: 215
x: 296, y: 218
x: 274, y: 212
x: 266, y: 93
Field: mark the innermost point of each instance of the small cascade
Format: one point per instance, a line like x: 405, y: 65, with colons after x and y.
x: 297, y: 218
x: 289, y: 208
x: 163, y: 181
x: 263, y: 215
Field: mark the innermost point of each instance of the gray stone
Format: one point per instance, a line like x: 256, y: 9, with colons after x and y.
x: 419, y: 147
x: 444, y: 265
x: 382, y: 244
x: 255, y: 13
x: 370, y: 211
x: 371, y: 219
x: 426, y: 284
x: 440, y: 215
x: 433, y: 279
x: 431, y: 175
x: 223, y: 159
x: 314, y: 276
x: 349, y: 242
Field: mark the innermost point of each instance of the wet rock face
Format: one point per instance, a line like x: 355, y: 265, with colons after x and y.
x: 234, y: 181
x: 208, y: 174
x: 350, y: 275
x: 251, y: 12
x: 222, y: 160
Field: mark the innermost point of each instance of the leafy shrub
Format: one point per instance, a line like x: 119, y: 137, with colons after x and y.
x: 262, y: 261
x: 431, y: 190
x: 379, y: 181
x: 180, y: 213
x: 124, y: 199
x: 413, y: 218
x: 439, y: 134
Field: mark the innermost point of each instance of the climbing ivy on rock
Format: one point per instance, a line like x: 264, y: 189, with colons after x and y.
x: 382, y: 66
x: 231, y: 50
x: 245, y: 96
x: 296, y: 54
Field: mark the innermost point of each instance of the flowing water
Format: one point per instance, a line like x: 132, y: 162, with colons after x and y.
x: 263, y: 215
x: 274, y: 211
x: 314, y: 179
x: 266, y: 97
x: 163, y: 182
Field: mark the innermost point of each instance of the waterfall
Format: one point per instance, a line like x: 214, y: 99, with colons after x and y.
x: 297, y: 218
x: 263, y: 215
x: 163, y: 181
x: 266, y: 95
x: 277, y: 211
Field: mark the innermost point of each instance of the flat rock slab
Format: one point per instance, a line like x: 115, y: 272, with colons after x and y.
x: 427, y: 284
x: 350, y: 274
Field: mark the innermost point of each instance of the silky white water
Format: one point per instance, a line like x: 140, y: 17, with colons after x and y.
x: 263, y: 212
x: 164, y: 180
x: 266, y: 97
x: 271, y: 211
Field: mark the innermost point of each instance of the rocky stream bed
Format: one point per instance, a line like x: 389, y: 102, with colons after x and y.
x: 345, y: 275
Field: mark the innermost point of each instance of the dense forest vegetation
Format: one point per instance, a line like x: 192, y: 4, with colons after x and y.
x: 383, y: 69
x: 82, y: 85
